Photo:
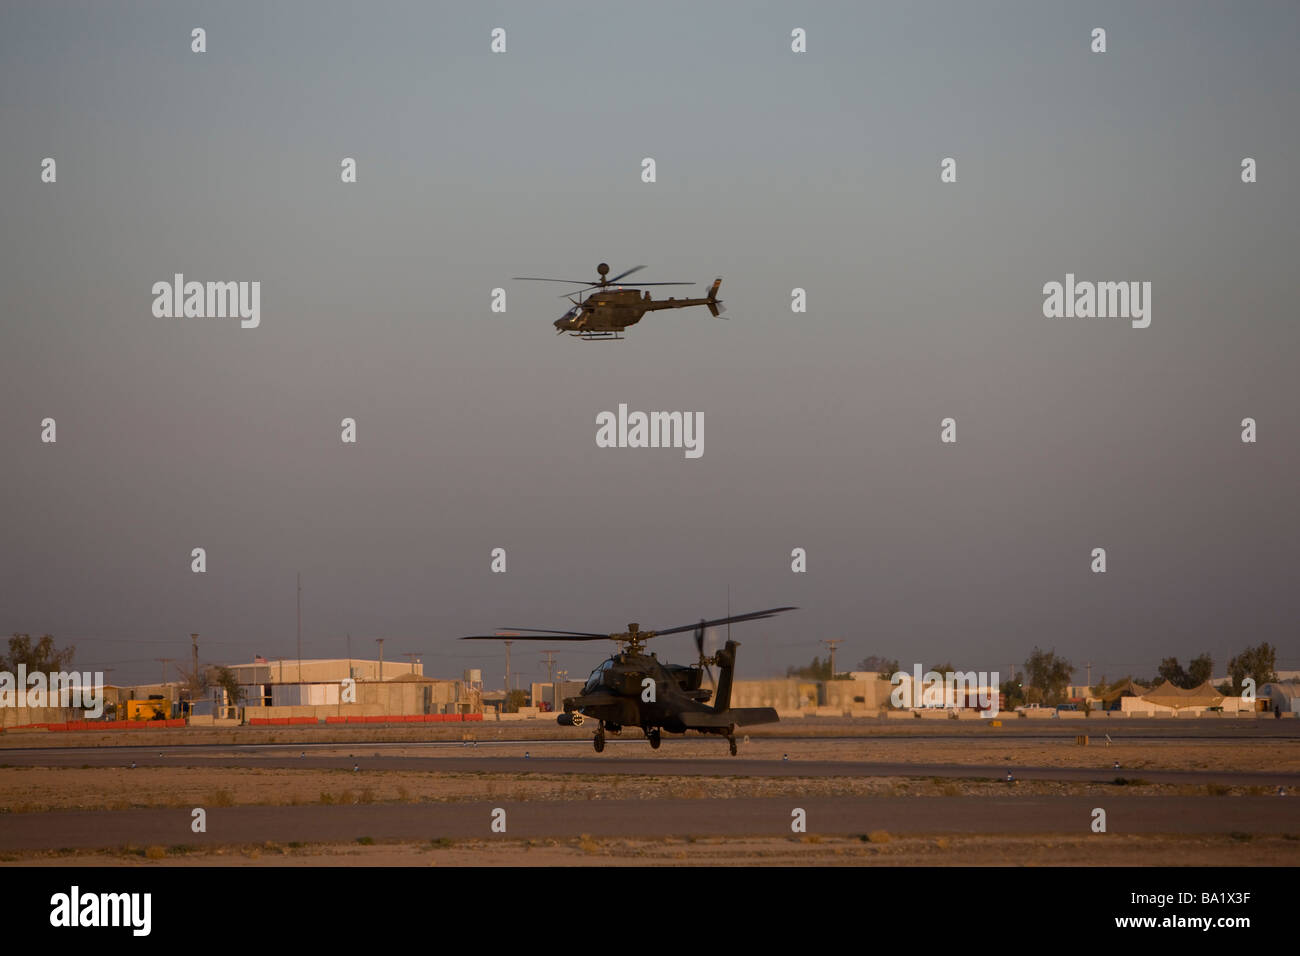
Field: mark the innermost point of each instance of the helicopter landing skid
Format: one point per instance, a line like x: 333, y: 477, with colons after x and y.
x: 598, y: 336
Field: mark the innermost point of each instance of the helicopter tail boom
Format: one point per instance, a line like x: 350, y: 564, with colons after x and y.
x: 726, y: 659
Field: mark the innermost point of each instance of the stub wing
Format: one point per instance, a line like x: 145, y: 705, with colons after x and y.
x: 745, y: 716
x: 593, y: 700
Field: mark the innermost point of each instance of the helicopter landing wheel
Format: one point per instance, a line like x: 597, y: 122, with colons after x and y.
x: 732, y: 742
x: 653, y: 736
x: 598, y: 741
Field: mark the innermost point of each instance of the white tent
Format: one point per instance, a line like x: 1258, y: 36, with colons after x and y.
x: 1284, y: 694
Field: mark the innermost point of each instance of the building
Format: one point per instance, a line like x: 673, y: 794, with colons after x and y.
x: 1283, y: 696
x: 316, y: 688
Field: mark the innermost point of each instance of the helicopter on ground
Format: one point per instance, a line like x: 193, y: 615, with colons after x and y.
x: 614, y: 305
x: 635, y: 689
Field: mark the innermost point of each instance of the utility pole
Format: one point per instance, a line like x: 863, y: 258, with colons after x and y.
x: 1089, y: 666
x: 550, y: 664
x: 508, y: 643
x: 832, y: 645
x: 164, y: 661
x: 412, y: 655
x: 194, y: 687
x: 380, y: 642
x: 349, y: 654
x: 299, y: 627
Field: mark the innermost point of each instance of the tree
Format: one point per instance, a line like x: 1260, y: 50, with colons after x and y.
x: 1048, y: 674
x: 225, y: 678
x: 882, y: 668
x: 195, y: 686
x: 1197, y: 673
x: 42, y: 657
x: 817, y: 670
x: 885, y: 669
x: 1257, y: 662
x: 1200, y: 670
x: 1013, y: 692
x: 1173, y: 672
x: 516, y: 699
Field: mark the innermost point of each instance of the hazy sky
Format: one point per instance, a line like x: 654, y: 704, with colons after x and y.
x: 476, y: 430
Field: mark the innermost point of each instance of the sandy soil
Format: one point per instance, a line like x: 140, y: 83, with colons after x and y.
x: 36, y: 789
x: 875, y: 849
x: 1225, y: 754
x: 805, y: 728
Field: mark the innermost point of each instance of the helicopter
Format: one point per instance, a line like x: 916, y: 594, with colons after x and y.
x: 614, y: 306
x: 635, y: 689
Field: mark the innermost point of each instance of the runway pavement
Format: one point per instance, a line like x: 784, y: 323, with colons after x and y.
x: 646, y: 818
x: 371, y: 757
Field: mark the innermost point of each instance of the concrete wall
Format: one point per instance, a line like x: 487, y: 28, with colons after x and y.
x: 374, y: 699
x: 18, y: 716
x: 786, y: 694
x: 855, y: 694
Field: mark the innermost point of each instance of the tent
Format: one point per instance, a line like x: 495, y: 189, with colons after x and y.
x: 1169, y: 695
x: 1126, y: 688
x: 1284, y: 694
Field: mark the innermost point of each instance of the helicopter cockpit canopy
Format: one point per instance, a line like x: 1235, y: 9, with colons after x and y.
x: 572, y: 313
x: 596, y: 678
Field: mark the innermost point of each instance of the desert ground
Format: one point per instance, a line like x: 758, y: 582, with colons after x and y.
x: 1203, y: 792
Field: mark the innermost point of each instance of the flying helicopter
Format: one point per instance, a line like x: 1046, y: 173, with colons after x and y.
x: 615, y: 305
x: 634, y: 688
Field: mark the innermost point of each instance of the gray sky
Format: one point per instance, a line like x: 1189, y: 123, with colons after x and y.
x: 775, y: 170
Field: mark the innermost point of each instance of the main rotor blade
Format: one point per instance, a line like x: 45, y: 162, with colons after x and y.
x: 552, y: 630
x: 622, y: 285
x: 535, y: 279
x: 751, y: 616
x: 627, y: 273
x: 536, y: 637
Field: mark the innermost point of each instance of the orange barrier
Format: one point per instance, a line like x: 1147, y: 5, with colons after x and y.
x: 336, y: 720
x: 173, y: 723
x: 473, y: 716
